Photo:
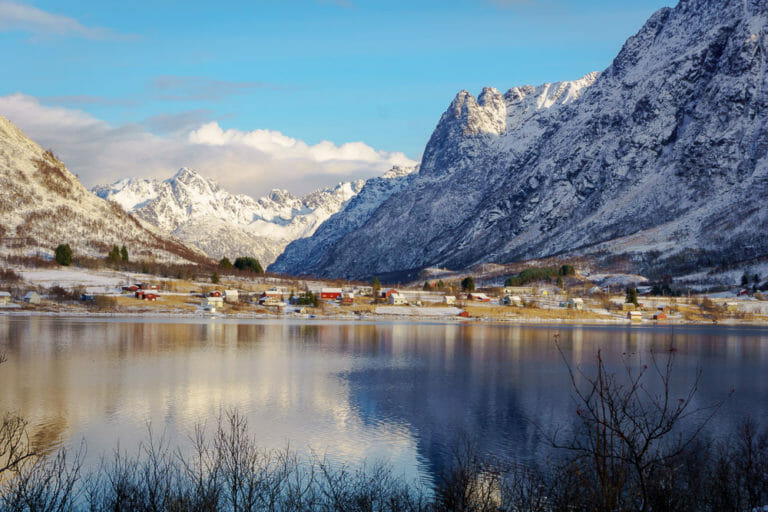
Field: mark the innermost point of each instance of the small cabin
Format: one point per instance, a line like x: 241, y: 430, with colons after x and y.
x: 512, y: 300
x: 634, y: 316
x: 131, y: 288
x: 577, y: 304
x: 386, y: 292
x: 5, y: 298
x: 364, y: 291
x: 519, y: 290
x: 449, y: 299
x: 660, y: 316
x: 231, y: 295
x: 479, y: 297
x: 397, y: 299
x: 347, y: 298
x: 32, y: 298
x: 270, y: 300
x: 215, y: 293
x: 213, y: 303
x: 330, y: 293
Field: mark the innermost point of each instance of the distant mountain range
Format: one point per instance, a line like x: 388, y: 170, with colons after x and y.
x: 43, y: 205
x: 661, y: 161
x: 199, y: 212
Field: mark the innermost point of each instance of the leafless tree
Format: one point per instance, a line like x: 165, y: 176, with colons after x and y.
x: 632, y: 428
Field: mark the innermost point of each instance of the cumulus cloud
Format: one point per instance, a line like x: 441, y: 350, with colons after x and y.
x: 16, y: 16
x: 251, y: 162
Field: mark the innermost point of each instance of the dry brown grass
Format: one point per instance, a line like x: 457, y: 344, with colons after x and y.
x: 511, y: 312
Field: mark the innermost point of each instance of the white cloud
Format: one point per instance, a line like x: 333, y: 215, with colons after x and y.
x: 250, y: 162
x: 16, y: 16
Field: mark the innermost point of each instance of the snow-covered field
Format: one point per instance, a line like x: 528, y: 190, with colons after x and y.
x: 94, y: 281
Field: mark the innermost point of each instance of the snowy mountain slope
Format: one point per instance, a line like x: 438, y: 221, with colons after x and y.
x: 662, y: 154
x: 43, y: 205
x: 199, y: 212
x: 311, y: 252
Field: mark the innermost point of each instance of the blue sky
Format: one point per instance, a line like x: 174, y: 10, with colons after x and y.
x: 380, y: 73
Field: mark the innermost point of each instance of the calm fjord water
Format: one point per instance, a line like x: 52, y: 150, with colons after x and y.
x: 403, y: 392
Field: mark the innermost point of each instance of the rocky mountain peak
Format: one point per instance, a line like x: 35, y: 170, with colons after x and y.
x: 661, y: 158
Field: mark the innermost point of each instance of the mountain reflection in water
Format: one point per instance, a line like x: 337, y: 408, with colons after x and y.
x: 403, y: 392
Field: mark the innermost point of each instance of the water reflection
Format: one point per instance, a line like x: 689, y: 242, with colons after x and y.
x: 403, y: 392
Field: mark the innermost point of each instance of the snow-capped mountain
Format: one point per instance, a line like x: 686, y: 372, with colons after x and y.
x: 661, y: 158
x: 305, y: 254
x: 43, y: 205
x: 199, y: 212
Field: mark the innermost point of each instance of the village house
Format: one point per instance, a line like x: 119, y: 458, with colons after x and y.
x: 213, y: 303
x: 480, y: 297
x: 512, y: 300
x: 330, y: 293
x: 131, y: 288
x: 347, y: 298
x: 5, y: 298
x: 449, y: 299
x: 273, y: 293
x: 215, y: 293
x: 519, y: 290
x: 386, y: 292
x: 576, y: 303
x: 363, y: 291
x: 32, y: 298
x: 660, y: 315
x: 231, y: 295
x: 270, y: 300
x: 397, y: 299
x: 634, y: 316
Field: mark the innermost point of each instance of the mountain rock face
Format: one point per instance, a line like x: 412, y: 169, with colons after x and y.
x: 307, y: 255
x: 199, y: 212
x: 43, y: 205
x: 661, y: 157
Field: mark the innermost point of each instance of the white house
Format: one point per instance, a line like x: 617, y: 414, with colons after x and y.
x: 449, y: 299
x: 519, y: 290
x: 231, y: 295
x: 512, y: 300
x: 213, y: 303
x: 32, y: 298
x: 576, y: 304
x: 364, y: 291
x: 5, y: 298
x: 397, y: 299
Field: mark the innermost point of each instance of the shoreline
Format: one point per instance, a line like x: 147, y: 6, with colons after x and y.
x: 379, y: 318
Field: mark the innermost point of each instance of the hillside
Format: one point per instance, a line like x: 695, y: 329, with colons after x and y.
x: 660, y: 161
x: 43, y: 205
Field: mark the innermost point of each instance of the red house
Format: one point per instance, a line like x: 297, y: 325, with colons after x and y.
x: 480, y: 297
x: 330, y: 293
x: 131, y: 288
x: 216, y: 293
x: 385, y: 293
